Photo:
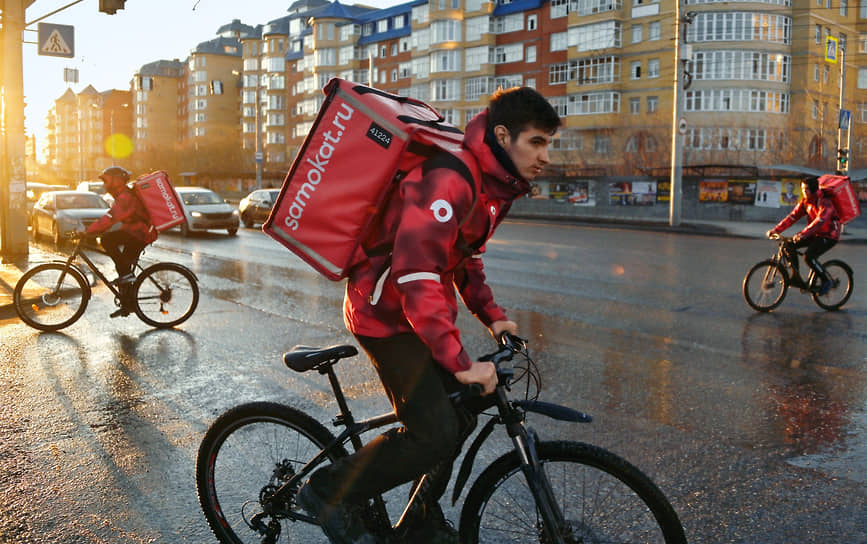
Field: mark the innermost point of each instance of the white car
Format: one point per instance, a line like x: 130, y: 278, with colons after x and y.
x: 206, y: 210
x: 59, y: 213
x: 97, y: 187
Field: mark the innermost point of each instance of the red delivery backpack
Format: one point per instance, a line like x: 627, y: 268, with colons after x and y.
x: 362, y: 143
x: 840, y: 191
x: 160, y: 199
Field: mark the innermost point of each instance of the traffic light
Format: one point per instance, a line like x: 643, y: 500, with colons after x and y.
x: 843, y: 158
x: 110, y: 6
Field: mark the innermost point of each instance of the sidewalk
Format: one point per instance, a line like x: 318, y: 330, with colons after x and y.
x: 10, y: 272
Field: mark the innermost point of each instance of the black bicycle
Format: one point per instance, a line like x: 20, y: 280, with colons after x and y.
x: 767, y: 282
x: 54, y: 295
x: 254, y: 458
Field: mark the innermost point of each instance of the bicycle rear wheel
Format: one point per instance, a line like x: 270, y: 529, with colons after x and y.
x: 166, y: 294
x: 602, y: 497
x: 51, y: 296
x: 841, y: 288
x: 246, y: 455
x: 765, y: 286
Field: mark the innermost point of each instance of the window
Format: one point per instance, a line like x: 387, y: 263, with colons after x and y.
x: 383, y: 51
x: 817, y: 35
x: 654, y: 30
x: 477, y: 26
x: 531, y: 53
x: 507, y: 53
x: 844, y: 8
x: 393, y: 49
x: 815, y: 109
x: 653, y: 68
x: 445, y: 61
x: 559, y: 41
x: 636, y: 33
x: 815, y: 72
x: 595, y: 36
x: 449, y: 89
x: 394, y: 75
x: 532, y: 21
x: 382, y: 25
x: 601, y: 144
x: 652, y: 104
x: 476, y: 88
x: 216, y: 87
x: 634, y: 106
x: 635, y: 69
x: 445, y: 31
x: 862, y: 78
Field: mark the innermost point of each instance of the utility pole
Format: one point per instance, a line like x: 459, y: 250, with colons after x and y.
x: 845, y: 118
x: 13, y: 180
x: 678, y: 123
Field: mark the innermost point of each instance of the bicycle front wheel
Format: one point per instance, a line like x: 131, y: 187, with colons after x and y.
x: 51, y: 296
x: 765, y: 286
x: 841, y: 286
x: 246, y: 455
x: 166, y: 294
x: 602, y: 498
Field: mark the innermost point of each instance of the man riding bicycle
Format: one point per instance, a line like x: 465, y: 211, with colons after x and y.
x: 821, y: 233
x: 124, y: 231
x: 402, y: 309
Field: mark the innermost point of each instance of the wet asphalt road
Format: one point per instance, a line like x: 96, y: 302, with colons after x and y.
x: 755, y: 426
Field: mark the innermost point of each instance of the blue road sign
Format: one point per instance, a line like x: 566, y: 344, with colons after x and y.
x: 845, y: 119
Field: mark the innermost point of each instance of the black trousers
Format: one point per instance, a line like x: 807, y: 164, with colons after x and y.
x: 430, y: 439
x: 123, y: 250
x: 816, y: 246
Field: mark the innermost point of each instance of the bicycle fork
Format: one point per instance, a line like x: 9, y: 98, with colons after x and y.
x: 524, y: 440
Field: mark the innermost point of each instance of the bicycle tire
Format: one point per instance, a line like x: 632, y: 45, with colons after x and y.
x: 166, y: 295
x: 602, y: 496
x: 238, y: 463
x: 41, y: 305
x: 765, y: 286
x: 841, y: 275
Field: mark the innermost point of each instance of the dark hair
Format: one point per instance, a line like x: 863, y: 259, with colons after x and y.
x: 519, y: 108
x: 812, y: 184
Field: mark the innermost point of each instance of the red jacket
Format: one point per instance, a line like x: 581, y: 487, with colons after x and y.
x: 133, y: 217
x: 413, y: 288
x: 823, y: 218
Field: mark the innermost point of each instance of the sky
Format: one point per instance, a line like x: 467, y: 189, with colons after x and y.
x: 109, y: 49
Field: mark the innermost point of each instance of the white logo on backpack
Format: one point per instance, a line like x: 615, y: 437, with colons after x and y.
x: 442, y: 211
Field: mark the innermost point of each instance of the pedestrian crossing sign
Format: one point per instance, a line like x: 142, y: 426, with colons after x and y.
x: 831, y: 49
x: 56, y: 40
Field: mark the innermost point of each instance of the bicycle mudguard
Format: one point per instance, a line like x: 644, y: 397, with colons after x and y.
x: 470, y: 457
x: 554, y: 411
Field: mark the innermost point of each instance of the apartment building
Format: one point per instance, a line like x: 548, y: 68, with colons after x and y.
x: 88, y: 132
x: 758, y: 87
x: 158, y: 98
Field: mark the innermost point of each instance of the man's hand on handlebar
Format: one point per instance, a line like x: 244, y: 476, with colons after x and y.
x: 772, y: 234
x: 497, y: 328
x: 482, y: 373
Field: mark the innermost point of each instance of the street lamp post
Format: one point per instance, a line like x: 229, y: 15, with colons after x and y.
x: 259, y: 155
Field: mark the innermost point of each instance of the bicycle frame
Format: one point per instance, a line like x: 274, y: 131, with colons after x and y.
x: 510, y: 413
x: 79, y: 252
x: 782, y: 257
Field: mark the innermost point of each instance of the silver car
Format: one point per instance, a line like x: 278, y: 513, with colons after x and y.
x: 59, y: 213
x: 206, y: 210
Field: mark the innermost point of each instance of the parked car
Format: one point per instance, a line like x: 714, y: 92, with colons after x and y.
x: 255, y: 207
x: 97, y: 187
x: 206, y: 210
x: 58, y: 213
x: 34, y: 191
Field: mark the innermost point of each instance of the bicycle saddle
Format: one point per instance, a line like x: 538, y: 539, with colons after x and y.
x: 304, y: 358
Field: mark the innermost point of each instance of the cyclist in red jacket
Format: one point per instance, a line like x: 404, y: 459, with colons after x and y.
x: 402, y: 309
x: 821, y: 233
x: 125, y: 230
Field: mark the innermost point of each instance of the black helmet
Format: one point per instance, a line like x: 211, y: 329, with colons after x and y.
x: 116, y: 171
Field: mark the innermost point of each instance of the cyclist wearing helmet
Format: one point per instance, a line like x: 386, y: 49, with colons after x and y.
x: 125, y: 230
